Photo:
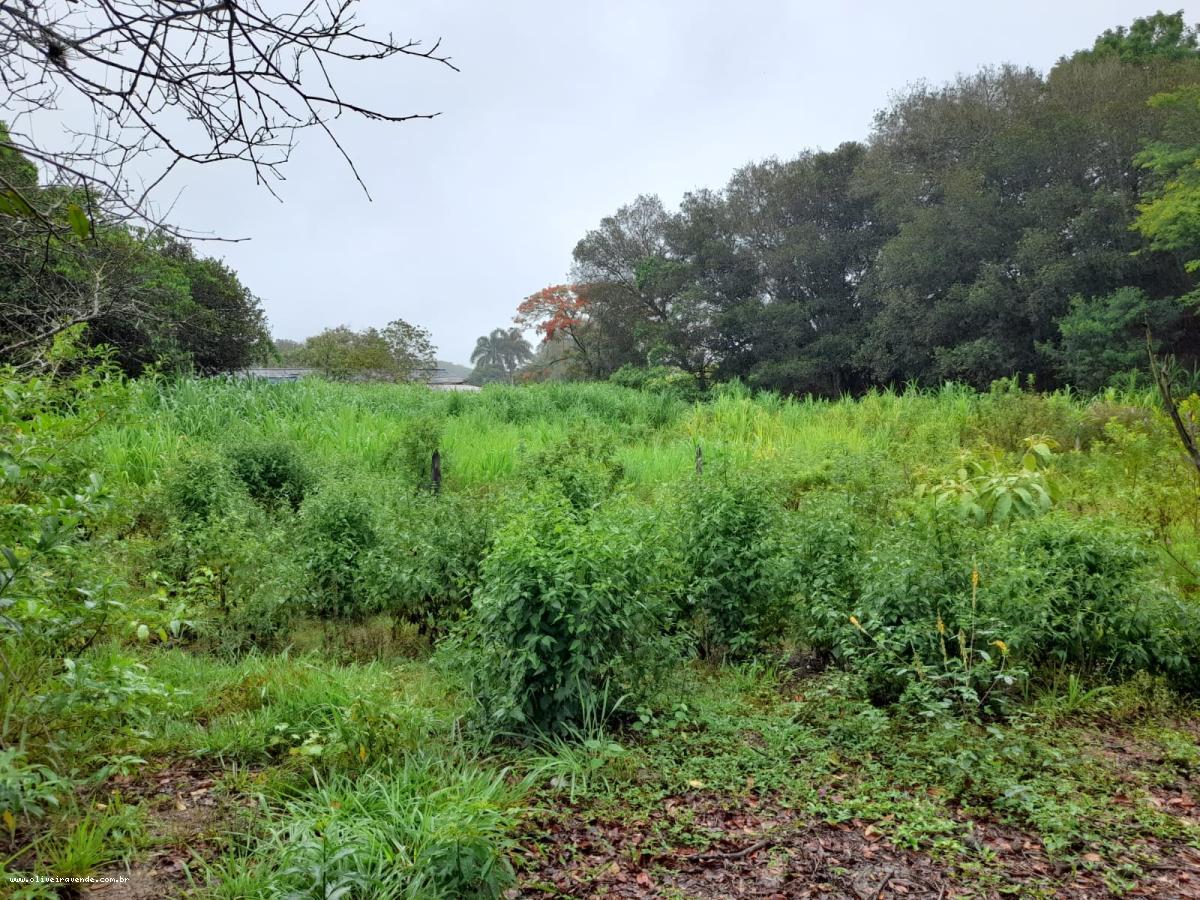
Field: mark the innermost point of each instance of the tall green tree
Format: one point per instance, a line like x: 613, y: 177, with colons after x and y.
x: 798, y: 318
x: 1160, y: 36
x: 1169, y: 214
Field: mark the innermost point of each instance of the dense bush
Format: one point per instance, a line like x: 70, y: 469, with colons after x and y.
x: 658, y: 380
x: 272, y: 471
x: 199, y: 486
x: 950, y: 618
x: 413, y: 454
x: 915, y: 628
x: 735, y: 561
x: 583, y: 467
x: 28, y: 791
x: 1080, y: 592
x: 1006, y: 414
x: 56, y: 588
x: 828, y: 567
x: 570, y: 616
x: 338, y: 529
x: 426, y: 566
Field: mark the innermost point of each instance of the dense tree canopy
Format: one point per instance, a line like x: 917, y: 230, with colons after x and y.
x: 1007, y: 222
x: 400, y: 351
x: 148, y: 295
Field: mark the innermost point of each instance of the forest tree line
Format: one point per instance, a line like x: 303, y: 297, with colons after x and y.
x: 1007, y: 222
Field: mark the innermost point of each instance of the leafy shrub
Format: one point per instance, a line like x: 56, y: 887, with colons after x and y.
x: 413, y: 454
x: 828, y: 565
x: 199, y: 487
x: 658, y: 380
x: 260, y: 620
x: 569, y: 616
x: 338, y: 529
x: 272, y: 471
x: 1006, y: 413
x: 117, y: 691
x: 990, y: 492
x: 920, y: 632
x: 737, y: 576
x: 427, y: 566
x: 583, y: 467
x: 1079, y: 592
x: 27, y: 790
x: 55, y: 593
x: 947, y: 619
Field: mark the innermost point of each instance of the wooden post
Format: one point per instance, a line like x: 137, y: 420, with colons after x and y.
x: 436, y: 472
x: 699, y: 460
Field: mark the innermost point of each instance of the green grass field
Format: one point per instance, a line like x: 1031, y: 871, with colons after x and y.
x: 921, y: 644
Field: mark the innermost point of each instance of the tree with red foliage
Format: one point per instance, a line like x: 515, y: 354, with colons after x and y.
x: 559, y: 311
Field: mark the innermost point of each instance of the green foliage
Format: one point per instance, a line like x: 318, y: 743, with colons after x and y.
x: 338, y: 528
x: 583, y: 467
x: 922, y: 253
x: 419, y: 828
x: 1101, y: 336
x: 116, y: 690
x: 1010, y: 412
x: 1080, y: 592
x: 426, y: 566
x: 950, y: 621
x: 658, y: 380
x: 1169, y: 215
x: 272, y: 471
x: 199, y: 488
x: 568, y: 614
x: 81, y: 852
x: 734, y: 559
x: 398, y: 352
x: 1160, y: 36
x: 828, y: 564
x: 28, y: 791
x: 413, y: 455
x: 497, y: 356
x: 991, y: 493
x: 906, y: 677
x: 918, y: 631
x: 55, y: 595
x: 144, y: 294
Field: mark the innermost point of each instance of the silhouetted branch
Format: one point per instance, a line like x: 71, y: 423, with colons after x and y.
x: 198, y: 81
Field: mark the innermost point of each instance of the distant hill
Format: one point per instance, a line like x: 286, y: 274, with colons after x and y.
x: 454, y: 368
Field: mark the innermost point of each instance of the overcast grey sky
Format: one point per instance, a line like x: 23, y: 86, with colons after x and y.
x: 563, y: 112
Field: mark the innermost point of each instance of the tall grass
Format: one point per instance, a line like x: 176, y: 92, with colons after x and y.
x: 358, y: 426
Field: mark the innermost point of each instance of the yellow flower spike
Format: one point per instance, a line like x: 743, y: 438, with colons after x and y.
x: 941, y: 626
x: 362, y: 753
x: 854, y: 622
x: 1001, y: 646
x: 974, y: 578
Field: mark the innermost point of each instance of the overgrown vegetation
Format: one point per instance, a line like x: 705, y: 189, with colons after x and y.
x: 371, y: 687
x: 360, y: 640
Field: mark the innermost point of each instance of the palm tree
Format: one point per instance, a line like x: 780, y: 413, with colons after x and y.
x: 489, y: 350
x: 502, y: 349
x: 517, y: 351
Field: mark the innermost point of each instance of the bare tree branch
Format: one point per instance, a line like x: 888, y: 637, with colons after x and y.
x: 197, y: 81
